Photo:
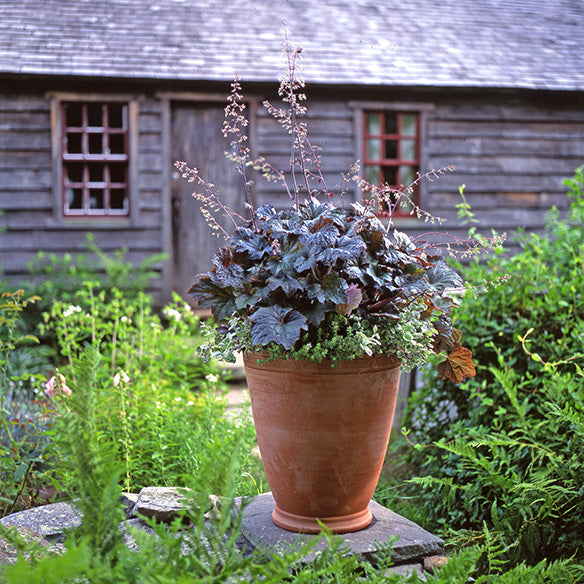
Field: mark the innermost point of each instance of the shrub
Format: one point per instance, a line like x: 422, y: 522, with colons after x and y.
x: 59, y: 277
x: 506, y: 443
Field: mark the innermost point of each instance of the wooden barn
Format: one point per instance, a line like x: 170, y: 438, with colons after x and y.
x: 99, y: 98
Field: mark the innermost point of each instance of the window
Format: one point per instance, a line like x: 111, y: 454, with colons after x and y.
x: 95, y: 159
x: 391, y: 152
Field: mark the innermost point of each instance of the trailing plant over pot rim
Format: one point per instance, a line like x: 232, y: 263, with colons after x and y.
x: 321, y: 280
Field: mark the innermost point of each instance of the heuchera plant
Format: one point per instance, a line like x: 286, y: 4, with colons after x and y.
x: 318, y: 280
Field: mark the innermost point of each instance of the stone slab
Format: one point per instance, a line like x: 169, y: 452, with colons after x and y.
x: 50, y: 521
x: 162, y: 503
x: 9, y: 554
x: 413, y: 543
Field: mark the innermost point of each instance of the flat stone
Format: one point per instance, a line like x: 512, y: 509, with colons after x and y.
x: 128, y: 500
x: 9, y: 554
x: 413, y: 543
x: 128, y: 536
x: 50, y: 521
x: 407, y: 570
x: 162, y: 503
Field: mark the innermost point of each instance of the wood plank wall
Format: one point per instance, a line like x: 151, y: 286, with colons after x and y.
x: 511, y: 153
x: 512, y: 157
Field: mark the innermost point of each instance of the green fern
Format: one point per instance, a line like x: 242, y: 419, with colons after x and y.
x: 96, y: 472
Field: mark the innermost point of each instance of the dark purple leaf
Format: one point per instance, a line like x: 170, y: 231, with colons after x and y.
x: 276, y: 324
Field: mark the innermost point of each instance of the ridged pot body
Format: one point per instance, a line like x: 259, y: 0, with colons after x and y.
x: 322, y: 433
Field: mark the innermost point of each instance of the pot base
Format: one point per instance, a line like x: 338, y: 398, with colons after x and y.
x: 305, y: 524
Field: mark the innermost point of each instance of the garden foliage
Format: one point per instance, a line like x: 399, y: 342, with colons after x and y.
x: 507, y: 444
x: 159, y: 410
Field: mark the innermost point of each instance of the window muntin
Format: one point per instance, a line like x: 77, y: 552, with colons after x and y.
x: 391, y: 153
x: 95, y: 159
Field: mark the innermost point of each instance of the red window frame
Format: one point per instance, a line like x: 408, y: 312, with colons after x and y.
x: 95, y: 159
x: 391, y: 153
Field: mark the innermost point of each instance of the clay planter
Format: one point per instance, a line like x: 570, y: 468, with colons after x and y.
x: 323, y: 434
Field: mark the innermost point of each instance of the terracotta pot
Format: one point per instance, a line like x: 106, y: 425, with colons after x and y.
x: 323, y: 434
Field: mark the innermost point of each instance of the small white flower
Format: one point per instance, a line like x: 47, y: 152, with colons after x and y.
x: 172, y: 313
x: 211, y: 378
x: 71, y: 310
x: 178, y: 399
x: 121, y: 376
x: 124, y: 319
x: 190, y: 403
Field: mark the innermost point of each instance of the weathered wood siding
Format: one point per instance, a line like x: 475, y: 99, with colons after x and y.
x: 330, y: 127
x: 27, y: 197
x: 511, y: 155
x: 512, y: 151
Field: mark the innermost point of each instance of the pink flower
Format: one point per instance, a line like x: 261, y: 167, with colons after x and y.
x: 57, y: 385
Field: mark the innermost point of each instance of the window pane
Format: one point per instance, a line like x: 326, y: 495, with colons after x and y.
x: 74, y: 173
x: 73, y: 144
x: 372, y: 174
x: 117, y: 173
x: 373, y: 149
x: 407, y: 175
x: 95, y: 143
x: 94, y: 115
x: 409, y: 126
x: 96, y: 199
x: 408, y: 150
x: 117, y: 144
x: 94, y: 182
x: 390, y: 123
x: 373, y: 124
x: 74, y: 115
x: 118, y: 199
x: 117, y: 114
x: 390, y: 175
x: 96, y: 172
x: 398, y: 165
x: 75, y: 198
x: 391, y: 149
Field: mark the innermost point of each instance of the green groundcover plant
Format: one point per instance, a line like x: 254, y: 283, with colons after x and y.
x: 319, y: 279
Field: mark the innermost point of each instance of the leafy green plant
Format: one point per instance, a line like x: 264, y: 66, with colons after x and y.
x: 96, y: 551
x: 290, y: 277
x: 500, y: 450
x: 55, y: 276
x: 23, y: 412
x: 541, y: 303
x: 12, y: 305
x: 157, y: 400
